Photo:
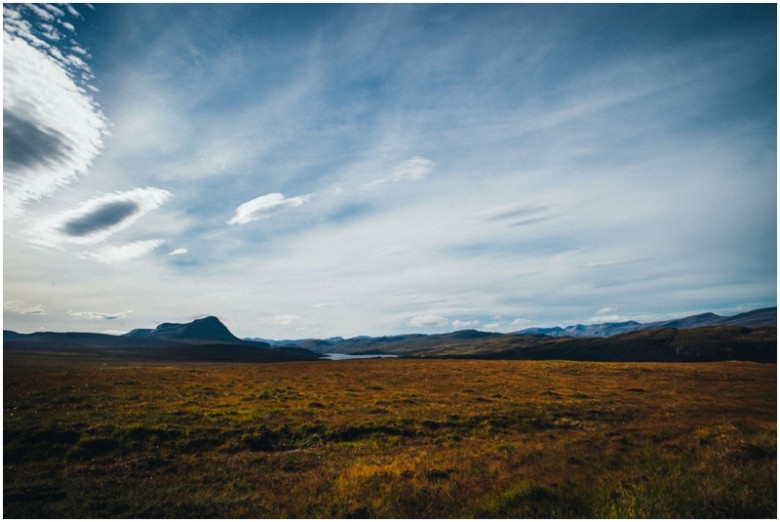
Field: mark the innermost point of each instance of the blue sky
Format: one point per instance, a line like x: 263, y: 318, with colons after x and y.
x: 318, y: 170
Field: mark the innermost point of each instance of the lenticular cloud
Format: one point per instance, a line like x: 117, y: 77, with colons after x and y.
x: 97, y: 219
x: 52, y: 128
x: 264, y: 206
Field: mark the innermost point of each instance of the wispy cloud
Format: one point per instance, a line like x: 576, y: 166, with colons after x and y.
x: 281, y: 319
x: 103, y: 316
x: 264, y: 207
x: 178, y: 252
x: 52, y: 128
x: 458, y: 324
x: 413, y: 169
x: 115, y: 254
x: 429, y: 320
x: 21, y: 308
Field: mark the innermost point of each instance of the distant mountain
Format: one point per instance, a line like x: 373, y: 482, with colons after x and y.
x: 702, y: 344
x: 747, y: 336
x: 390, y: 344
x: 753, y: 319
x: 763, y: 317
x: 692, y: 321
x: 202, y: 340
x: 751, y: 336
x: 424, y: 345
x: 591, y: 330
x: 323, y: 343
x: 10, y: 334
x: 206, y: 329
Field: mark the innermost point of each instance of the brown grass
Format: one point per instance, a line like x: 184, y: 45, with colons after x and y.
x: 390, y: 439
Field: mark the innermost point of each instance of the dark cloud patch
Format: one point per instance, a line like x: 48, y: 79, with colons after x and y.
x: 516, y: 212
x: 26, y: 144
x: 104, y: 217
x: 531, y: 221
x: 350, y: 212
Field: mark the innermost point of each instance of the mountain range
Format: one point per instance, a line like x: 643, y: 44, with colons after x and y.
x: 764, y: 317
x: 753, y: 319
x: 202, y: 340
x: 706, y: 337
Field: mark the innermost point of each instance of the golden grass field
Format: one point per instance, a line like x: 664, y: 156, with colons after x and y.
x: 389, y: 438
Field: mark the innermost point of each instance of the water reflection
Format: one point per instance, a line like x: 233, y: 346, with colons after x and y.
x: 345, y: 356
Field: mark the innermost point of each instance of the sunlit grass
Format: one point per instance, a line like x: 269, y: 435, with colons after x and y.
x: 390, y: 438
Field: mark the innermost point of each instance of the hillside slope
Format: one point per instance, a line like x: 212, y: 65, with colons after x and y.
x: 705, y: 344
x: 763, y: 317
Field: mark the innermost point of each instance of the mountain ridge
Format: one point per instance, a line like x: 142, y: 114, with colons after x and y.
x: 761, y: 317
x: 207, y: 328
x: 202, y: 340
x: 702, y: 337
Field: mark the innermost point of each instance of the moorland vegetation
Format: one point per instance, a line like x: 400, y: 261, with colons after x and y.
x: 390, y: 438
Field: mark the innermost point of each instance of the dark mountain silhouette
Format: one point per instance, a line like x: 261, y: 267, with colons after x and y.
x: 751, y: 336
x: 202, y: 340
x: 209, y: 328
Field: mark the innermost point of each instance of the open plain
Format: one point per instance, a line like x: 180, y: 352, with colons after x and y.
x: 389, y: 438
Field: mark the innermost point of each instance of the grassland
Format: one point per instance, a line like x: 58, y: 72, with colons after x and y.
x: 389, y: 438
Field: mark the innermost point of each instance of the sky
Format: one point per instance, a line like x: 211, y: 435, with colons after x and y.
x: 323, y: 170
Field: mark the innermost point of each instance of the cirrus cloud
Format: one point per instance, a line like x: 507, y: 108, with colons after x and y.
x: 413, y: 169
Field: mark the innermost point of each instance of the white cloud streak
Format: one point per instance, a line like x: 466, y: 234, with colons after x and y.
x: 127, y: 252
x: 458, y: 324
x: 429, y: 320
x: 281, y: 319
x: 264, y: 207
x: 19, y: 307
x: 414, y: 169
x: 102, y: 316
